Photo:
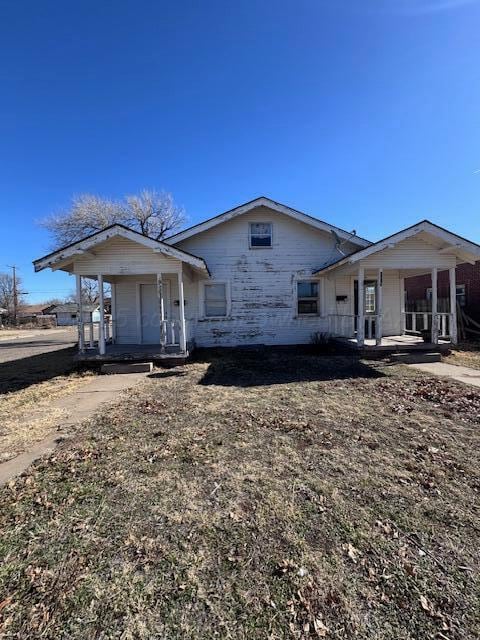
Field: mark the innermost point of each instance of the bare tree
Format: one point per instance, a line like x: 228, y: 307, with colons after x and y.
x: 89, y: 292
x: 152, y: 213
x: 7, y: 292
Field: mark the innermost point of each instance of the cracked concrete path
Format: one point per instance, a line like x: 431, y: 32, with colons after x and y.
x: 79, y: 405
x: 453, y: 371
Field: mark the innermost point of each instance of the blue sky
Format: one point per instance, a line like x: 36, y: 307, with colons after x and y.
x: 365, y: 114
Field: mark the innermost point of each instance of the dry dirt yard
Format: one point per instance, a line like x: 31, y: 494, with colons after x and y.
x: 466, y: 354
x: 27, y: 387
x: 254, y: 496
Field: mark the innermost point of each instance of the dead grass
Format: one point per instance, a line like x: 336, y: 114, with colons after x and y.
x: 466, y: 354
x: 268, y: 496
x: 29, y: 415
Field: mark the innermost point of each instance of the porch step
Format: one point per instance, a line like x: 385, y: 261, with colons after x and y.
x: 127, y: 367
x: 415, y: 357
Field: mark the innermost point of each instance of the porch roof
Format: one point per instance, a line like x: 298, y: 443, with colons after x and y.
x: 82, y: 248
x: 446, y: 242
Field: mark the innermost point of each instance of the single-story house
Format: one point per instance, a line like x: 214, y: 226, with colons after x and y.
x: 262, y: 273
x: 67, y: 313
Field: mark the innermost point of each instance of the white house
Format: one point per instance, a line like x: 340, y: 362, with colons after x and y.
x: 67, y: 313
x: 262, y: 273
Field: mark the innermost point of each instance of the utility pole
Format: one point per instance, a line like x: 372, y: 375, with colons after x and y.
x: 15, y: 293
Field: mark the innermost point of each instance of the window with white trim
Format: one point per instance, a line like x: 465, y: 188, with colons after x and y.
x: 307, y: 297
x: 260, y: 235
x: 215, y: 303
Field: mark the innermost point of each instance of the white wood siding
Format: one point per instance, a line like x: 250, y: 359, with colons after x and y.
x: 122, y: 256
x: 412, y: 253
x: 262, y: 281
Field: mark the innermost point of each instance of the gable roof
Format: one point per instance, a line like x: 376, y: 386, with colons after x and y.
x: 116, y: 230
x: 464, y: 249
x: 275, y: 206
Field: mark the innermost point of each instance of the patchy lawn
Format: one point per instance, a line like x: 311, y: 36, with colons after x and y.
x: 27, y: 415
x: 265, y: 496
x: 27, y: 387
x: 466, y: 354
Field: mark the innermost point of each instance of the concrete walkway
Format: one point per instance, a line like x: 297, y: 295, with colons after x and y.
x: 79, y: 405
x: 454, y: 371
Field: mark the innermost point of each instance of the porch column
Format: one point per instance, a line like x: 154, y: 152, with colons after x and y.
x: 113, y: 310
x: 161, y: 312
x: 101, y: 328
x: 453, y: 305
x: 81, y: 337
x: 402, y: 306
x: 361, y: 308
x: 379, y: 309
x: 181, y: 309
x: 434, y: 306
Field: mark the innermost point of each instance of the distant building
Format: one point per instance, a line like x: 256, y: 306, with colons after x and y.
x: 67, y: 313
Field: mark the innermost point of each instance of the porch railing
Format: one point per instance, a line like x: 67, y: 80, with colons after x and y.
x: 418, y: 321
x: 345, y: 325
x: 170, y: 331
x: 341, y: 325
x: 89, y: 332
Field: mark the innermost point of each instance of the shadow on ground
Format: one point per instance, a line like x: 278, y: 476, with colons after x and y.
x: 270, y: 366
x: 23, y: 372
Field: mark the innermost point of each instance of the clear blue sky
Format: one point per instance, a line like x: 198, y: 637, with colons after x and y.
x: 365, y: 114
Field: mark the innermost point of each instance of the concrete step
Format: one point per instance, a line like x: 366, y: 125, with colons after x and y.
x: 127, y: 367
x: 416, y: 357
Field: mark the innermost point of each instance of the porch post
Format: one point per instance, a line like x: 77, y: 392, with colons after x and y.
x: 379, y: 309
x: 453, y: 305
x: 161, y: 311
x: 434, y: 306
x: 81, y: 337
x: 113, y: 310
x: 402, y: 306
x: 101, y: 328
x: 181, y: 301
x: 361, y: 315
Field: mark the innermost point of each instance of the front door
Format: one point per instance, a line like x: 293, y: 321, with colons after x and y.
x: 369, y: 301
x: 150, y: 312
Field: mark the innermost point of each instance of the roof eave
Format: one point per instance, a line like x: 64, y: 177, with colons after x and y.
x: 201, y: 227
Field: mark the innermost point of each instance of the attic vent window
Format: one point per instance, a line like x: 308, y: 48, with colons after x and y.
x: 260, y: 235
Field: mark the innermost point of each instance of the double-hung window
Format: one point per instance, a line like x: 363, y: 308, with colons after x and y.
x: 215, y: 300
x: 260, y: 235
x: 307, y: 297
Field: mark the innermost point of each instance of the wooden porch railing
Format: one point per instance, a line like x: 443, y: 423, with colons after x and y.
x: 88, y: 333
x: 417, y: 321
x: 345, y: 325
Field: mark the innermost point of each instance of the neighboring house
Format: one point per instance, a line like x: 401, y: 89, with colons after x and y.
x: 419, y: 295
x: 31, y: 310
x: 262, y: 273
x: 67, y: 313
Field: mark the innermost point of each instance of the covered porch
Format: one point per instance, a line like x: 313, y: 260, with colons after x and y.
x: 148, y: 283
x: 144, y: 321
x: 368, y: 309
